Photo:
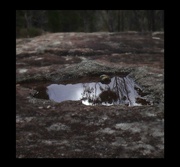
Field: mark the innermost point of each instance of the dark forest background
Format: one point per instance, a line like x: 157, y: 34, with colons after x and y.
x: 31, y: 23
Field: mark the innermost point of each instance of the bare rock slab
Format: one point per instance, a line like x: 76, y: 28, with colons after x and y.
x: 70, y: 129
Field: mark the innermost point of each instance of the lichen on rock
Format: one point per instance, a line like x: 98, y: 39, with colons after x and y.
x: 47, y: 129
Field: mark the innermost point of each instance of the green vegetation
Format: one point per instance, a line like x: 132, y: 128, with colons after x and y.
x: 31, y: 23
x: 29, y: 32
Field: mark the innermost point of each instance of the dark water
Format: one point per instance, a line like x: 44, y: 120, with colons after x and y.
x: 118, y: 91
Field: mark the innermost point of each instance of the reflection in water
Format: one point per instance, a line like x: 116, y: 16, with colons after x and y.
x: 118, y: 91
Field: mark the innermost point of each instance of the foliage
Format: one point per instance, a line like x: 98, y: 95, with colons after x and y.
x: 29, y: 32
x: 30, y: 21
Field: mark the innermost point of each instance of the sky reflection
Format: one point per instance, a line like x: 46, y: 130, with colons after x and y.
x: 118, y: 91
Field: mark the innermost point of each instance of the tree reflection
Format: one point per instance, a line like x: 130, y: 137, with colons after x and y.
x: 118, y: 91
